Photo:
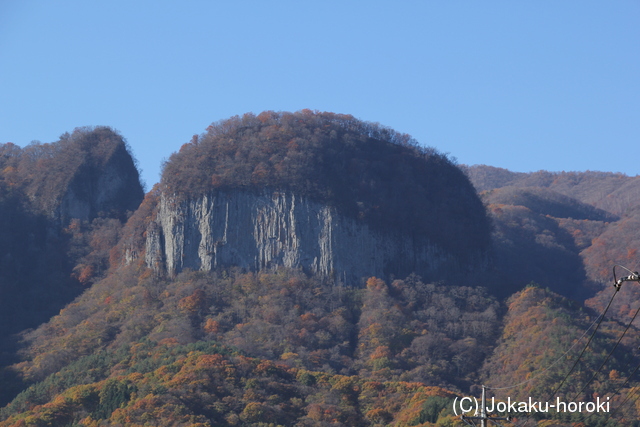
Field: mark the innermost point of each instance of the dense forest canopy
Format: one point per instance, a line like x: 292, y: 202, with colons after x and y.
x: 406, y: 333
x: 47, y: 252
x: 229, y: 347
x: 45, y: 173
x: 365, y: 170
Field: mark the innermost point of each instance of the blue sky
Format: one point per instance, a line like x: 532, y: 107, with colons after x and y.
x: 519, y: 85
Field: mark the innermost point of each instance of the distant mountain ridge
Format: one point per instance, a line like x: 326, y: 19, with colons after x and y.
x: 612, y: 192
x: 547, y: 202
x: 582, y: 223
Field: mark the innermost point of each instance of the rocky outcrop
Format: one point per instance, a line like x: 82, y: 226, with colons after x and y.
x: 322, y: 192
x: 273, y: 228
x: 84, y: 174
x: 49, y: 194
x: 111, y: 187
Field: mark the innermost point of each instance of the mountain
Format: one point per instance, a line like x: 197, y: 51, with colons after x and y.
x: 544, y: 201
x: 538, y: 236
x: 61, y: 208
x: 611, y: 192
x: 336, y: 200
x: 564, y: 230
x: 87, y: 172
x: 318, y: 191
x: 305, y: 269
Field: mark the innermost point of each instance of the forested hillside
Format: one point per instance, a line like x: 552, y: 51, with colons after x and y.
x: 400, y: 333
x: 232, y: 348
x: 588, y: 226
x: 235, y: 345
x: 612, y: 192
x: 61, y: 208
x: 542, y: 338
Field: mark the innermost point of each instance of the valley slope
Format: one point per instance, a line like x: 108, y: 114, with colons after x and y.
x: 311, y: 269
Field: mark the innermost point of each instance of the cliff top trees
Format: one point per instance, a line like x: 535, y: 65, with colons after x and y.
x: 87, y: 161
x: 365, y: 170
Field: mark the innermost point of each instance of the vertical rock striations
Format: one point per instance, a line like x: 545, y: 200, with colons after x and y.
x: 274, y: 228
x: 323, y: 192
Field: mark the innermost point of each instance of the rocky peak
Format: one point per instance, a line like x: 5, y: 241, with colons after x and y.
x: 85, y: 173
x: 318, y: 191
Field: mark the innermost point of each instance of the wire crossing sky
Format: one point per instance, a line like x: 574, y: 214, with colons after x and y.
x: 519, y: 85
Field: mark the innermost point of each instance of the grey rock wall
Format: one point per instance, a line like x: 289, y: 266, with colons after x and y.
x: 269, y: 229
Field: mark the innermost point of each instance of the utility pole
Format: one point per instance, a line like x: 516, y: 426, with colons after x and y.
x: 484, y: 418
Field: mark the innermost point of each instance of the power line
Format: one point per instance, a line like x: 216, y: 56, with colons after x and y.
x: 618, y: 391
x: 608, y: 355
x: 634, y: 276
x: 554, y: 363
x: 631, y: 393
x: 617, y: 287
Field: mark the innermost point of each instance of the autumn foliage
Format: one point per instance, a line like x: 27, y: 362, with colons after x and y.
x: 280, y: 347
x: 365, y: 170
x: 62, y: 206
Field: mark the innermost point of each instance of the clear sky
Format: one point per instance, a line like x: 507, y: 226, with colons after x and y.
x: 523, y: 85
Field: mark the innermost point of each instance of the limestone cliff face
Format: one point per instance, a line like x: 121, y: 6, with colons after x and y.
x: 272, y: 228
